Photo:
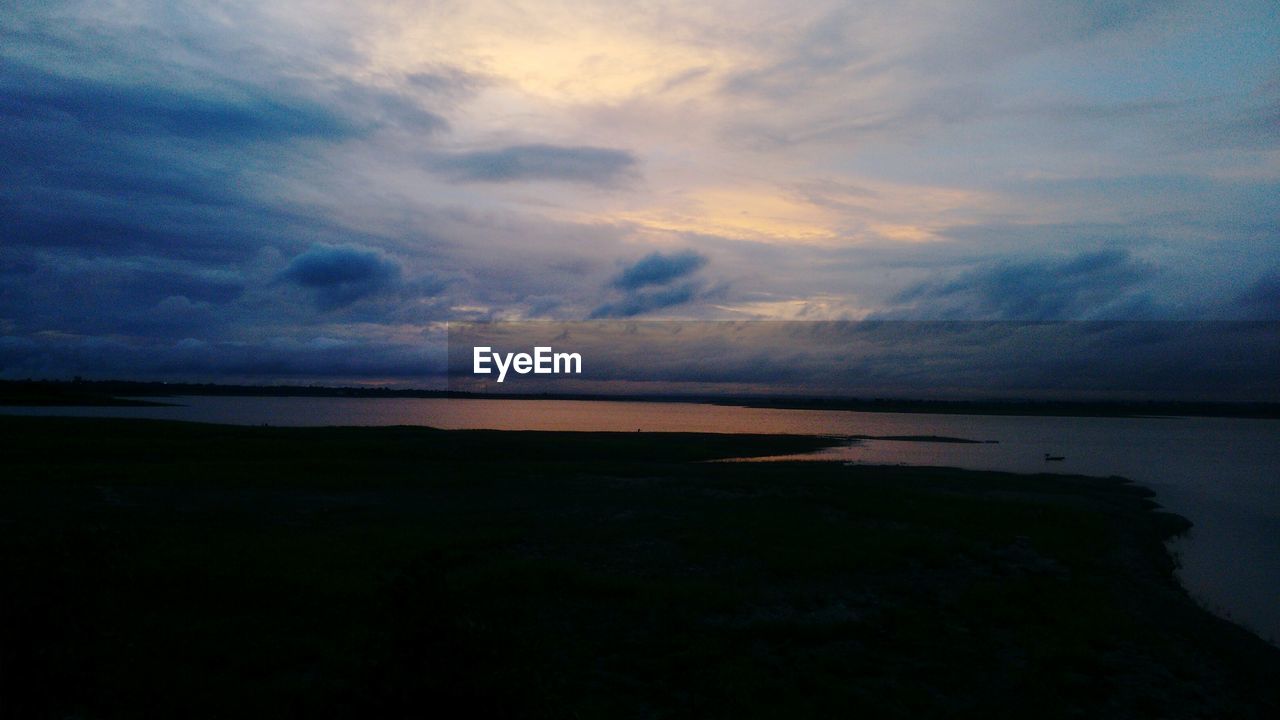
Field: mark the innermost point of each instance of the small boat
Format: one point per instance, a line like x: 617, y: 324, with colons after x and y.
x: 1054, y: 458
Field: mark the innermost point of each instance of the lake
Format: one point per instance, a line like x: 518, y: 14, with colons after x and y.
x: 1221, y: 473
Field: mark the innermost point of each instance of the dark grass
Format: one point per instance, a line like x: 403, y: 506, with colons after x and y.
x: 157, y: 569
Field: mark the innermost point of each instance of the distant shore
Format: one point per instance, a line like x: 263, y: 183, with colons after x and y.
x: 126, y: 393
x: 183, y: 569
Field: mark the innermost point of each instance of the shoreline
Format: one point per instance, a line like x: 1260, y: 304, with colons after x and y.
x: 36, y: 393
x: 533, y: 557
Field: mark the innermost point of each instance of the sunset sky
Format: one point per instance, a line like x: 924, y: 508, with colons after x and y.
x: 308, y: 190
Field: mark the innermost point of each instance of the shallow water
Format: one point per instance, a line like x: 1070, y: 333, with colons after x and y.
x: 1222, y: 473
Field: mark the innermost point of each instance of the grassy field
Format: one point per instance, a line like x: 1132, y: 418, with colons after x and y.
x: 155, y: 569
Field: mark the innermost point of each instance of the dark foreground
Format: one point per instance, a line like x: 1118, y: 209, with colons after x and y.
x: 154, y: 569
x: 126, y: 393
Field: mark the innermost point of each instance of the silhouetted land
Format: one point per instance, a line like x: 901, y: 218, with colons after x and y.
x: 111, y: 392
x: 156, y: 569
x: 45, y: 393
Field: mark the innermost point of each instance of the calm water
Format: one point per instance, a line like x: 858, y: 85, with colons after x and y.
x: 1222, y: 473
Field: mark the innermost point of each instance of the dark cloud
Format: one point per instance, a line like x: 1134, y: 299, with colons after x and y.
x: 340, y: 275
x: 1262, y: 299
x: 638, y: 303
x: 141, y: 198
x: 161, y: 165
x: 29, y: 95
x: 656, y: 281
x: 61, y: 292
x: 659, y: 269
x: 318, y: 359
x: 538, y: 162
x: 1090, y: 285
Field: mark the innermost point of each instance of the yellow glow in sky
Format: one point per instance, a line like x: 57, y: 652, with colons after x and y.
x: 562, y: 57
x: 748, y: 213
x: 548, y: 70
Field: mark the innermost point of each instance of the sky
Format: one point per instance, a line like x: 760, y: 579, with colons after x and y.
x: 309, y: 191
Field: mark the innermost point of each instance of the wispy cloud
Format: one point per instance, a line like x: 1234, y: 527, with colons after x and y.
x: 1090, y: 285
x: 341, y: 170
x: 537, y: 162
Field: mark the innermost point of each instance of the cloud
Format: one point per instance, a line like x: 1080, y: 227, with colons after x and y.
x: 105, y: 295
x: 638, y: 303
x: 659, y: 269
x: 168, y: 172
x: 447, y: 81
x: 1252, y: 128
x: 379, y: 107
x: 340, y: 275
x: 30, y: 95
x: 1262, y: 300
x: 167, y: 163
x: 1090, y: 285
x: 302, y: 359
x: 651, y: 283
x: 537, y: 162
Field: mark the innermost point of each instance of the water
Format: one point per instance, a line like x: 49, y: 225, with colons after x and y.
x: 1222, y: 473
